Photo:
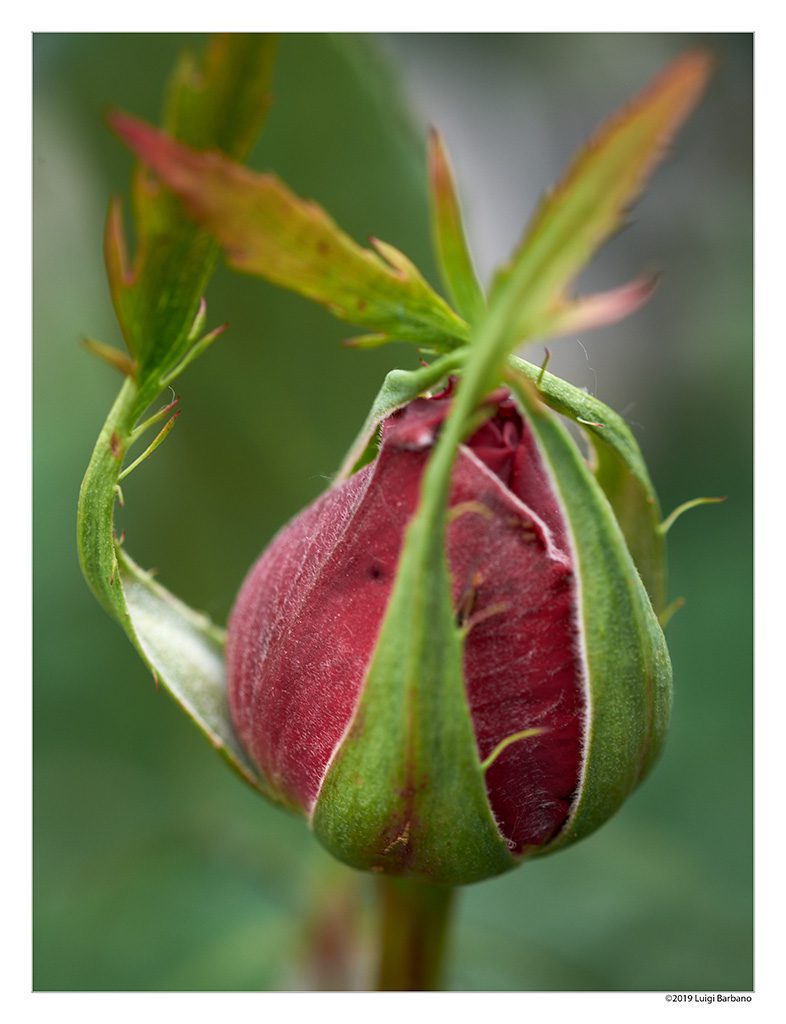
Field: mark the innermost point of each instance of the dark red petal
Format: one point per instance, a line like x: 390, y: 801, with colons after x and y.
x: 304, y: 628
x: 522, y: 659
x: 507, y: 447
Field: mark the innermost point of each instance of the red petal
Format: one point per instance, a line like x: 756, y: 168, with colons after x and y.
x: 304, y: 628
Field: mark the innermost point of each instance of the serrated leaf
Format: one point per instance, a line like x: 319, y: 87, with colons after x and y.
x: 590, y: 202
x: 266, y: 230
x: 619, y: 468
x: 450, y: 242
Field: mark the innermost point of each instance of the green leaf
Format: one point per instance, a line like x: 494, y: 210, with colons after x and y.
x: 223, y: 104
x: 266, y: 230
x: 450, y: 243
x: 590, y: 202
x: 157, y: 294
x: 185, y: 651
x: 619, y: 469
x: 628, y: 672
x: 159, y: 303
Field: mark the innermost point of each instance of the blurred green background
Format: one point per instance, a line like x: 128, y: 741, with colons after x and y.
x: 154, y: 867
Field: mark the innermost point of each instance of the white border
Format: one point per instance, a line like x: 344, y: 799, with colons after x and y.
x: 405, y: 15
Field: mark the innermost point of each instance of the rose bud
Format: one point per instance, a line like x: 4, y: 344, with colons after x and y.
x: 561, y: 694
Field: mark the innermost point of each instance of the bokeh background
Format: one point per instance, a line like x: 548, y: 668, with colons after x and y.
x: 154, y: 867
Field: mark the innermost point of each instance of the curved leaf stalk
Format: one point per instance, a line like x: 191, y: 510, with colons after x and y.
x: 158, y: 298
x: 182, y: 648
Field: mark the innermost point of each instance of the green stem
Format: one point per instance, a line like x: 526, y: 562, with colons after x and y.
x: 415, y: 922
x: 97, y: 500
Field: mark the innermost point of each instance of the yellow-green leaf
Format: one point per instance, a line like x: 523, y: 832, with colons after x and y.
x: 450, y: 242
x: 590, y: 202
x: 266, y: 230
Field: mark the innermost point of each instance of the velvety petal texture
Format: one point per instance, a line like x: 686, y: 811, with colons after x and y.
x: 304, y: 628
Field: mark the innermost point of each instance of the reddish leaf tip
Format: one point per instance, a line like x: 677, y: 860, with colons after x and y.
x: 438, y: 167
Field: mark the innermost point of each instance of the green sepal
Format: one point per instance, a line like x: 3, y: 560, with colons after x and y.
x: 620, y: 470
x: 628, y: 672
x: 405, y: 793
x: 398, y: 388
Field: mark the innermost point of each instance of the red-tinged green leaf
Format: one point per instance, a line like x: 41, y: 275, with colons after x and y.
x: 450, y: 243
x: 157, y: 294
x: 266, y: 230
x: 572, y: 222
x: 591, y: 311
x: 591, y: 201
x: 118, y: 272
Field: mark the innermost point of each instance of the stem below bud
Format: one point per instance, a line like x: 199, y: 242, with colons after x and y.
x: 414, y: 928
